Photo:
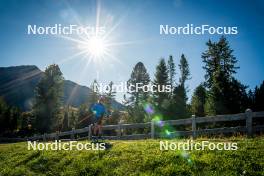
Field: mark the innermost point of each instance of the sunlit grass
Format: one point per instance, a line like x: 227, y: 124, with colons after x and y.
x: 141, y: 157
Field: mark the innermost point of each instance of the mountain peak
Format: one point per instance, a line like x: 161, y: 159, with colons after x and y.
x: 18, y: 83
x: 20, y: 67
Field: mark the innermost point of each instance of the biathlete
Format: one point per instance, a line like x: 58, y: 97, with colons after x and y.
x: 99, y: 112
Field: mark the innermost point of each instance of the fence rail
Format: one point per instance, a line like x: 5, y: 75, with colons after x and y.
x: 248, y: 129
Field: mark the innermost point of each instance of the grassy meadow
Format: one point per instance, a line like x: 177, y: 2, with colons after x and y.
x: 139, y: 157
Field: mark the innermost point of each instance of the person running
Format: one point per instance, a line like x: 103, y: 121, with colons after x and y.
x: 99, y: 111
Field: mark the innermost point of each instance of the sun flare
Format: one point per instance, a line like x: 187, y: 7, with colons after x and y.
x: 96, y: 46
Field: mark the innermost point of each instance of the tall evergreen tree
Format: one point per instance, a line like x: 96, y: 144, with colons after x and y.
x: 161, y: 97
x: 139, y: 76
x: 180, y: 91
x: 220, y: 65
x: 49, y: 93
x: 184, y: 70
x: 219, y: 61
x: 171, y: 73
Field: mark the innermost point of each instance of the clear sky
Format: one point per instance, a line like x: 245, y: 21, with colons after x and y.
x: 133, y: 27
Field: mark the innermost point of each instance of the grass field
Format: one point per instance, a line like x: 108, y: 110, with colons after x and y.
x: 142, y: 157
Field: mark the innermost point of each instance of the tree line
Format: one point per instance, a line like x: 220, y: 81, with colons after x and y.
x: 219, y: 93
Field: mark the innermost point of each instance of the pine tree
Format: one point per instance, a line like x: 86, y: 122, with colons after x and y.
x: 212, y: 61
x: 171, y: 73
x: 49, y: 93
x: 180, y: 92
x: 227, y: 59
x: 139, y: 76
x: 220, y: 66
x: 198, y: 101
x: 184, y: 70
x: 160, y: 94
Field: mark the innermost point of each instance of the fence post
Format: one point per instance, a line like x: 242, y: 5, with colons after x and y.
x: 193, y: 127
x: 119, y: 130
x: 90, y: 132
x: 152, y: 127
x: 44, y: 137
x: 72, y: 134
x: 249, y: 116
x: 57, y: 136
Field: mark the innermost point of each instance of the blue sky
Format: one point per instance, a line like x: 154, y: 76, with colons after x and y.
x: 136, y: 24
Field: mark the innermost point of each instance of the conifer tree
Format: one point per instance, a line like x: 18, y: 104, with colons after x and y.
x: 180, y: 92
x: 161, y: 80
x: 139, y: 77
x: 198, y: 101
x: 220, y: 66
x: 49, y: 93
x: 171, y: 73
x: 136, y: 99
x: 184, y: 70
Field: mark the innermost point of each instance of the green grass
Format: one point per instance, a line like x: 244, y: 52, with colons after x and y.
x: 142, y: 157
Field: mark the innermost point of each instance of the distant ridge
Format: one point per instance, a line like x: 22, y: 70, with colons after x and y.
x: 18, y: 83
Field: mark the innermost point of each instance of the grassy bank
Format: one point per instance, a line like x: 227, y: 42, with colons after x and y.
x: 136, y: 158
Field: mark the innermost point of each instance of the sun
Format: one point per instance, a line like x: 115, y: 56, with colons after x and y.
x: 95, y: 47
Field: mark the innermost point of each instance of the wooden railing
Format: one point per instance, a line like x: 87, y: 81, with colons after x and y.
x: 248, y: 129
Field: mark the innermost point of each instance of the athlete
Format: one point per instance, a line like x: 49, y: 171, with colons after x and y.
x: 99, y: 111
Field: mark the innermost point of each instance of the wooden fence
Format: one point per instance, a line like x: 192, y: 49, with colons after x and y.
x: 248, y: 129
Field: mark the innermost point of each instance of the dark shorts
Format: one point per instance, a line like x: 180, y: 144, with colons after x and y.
x: 97, y: 120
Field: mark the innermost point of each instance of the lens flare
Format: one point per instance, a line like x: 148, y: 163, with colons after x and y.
x: 157, y: 120
x: 189, y: 161
x: 187, y: 157
x: 148, y: 108
x: 161, y: 123
x: 168, y: 132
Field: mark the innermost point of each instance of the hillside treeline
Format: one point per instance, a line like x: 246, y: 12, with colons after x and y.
x: 220, y: 93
